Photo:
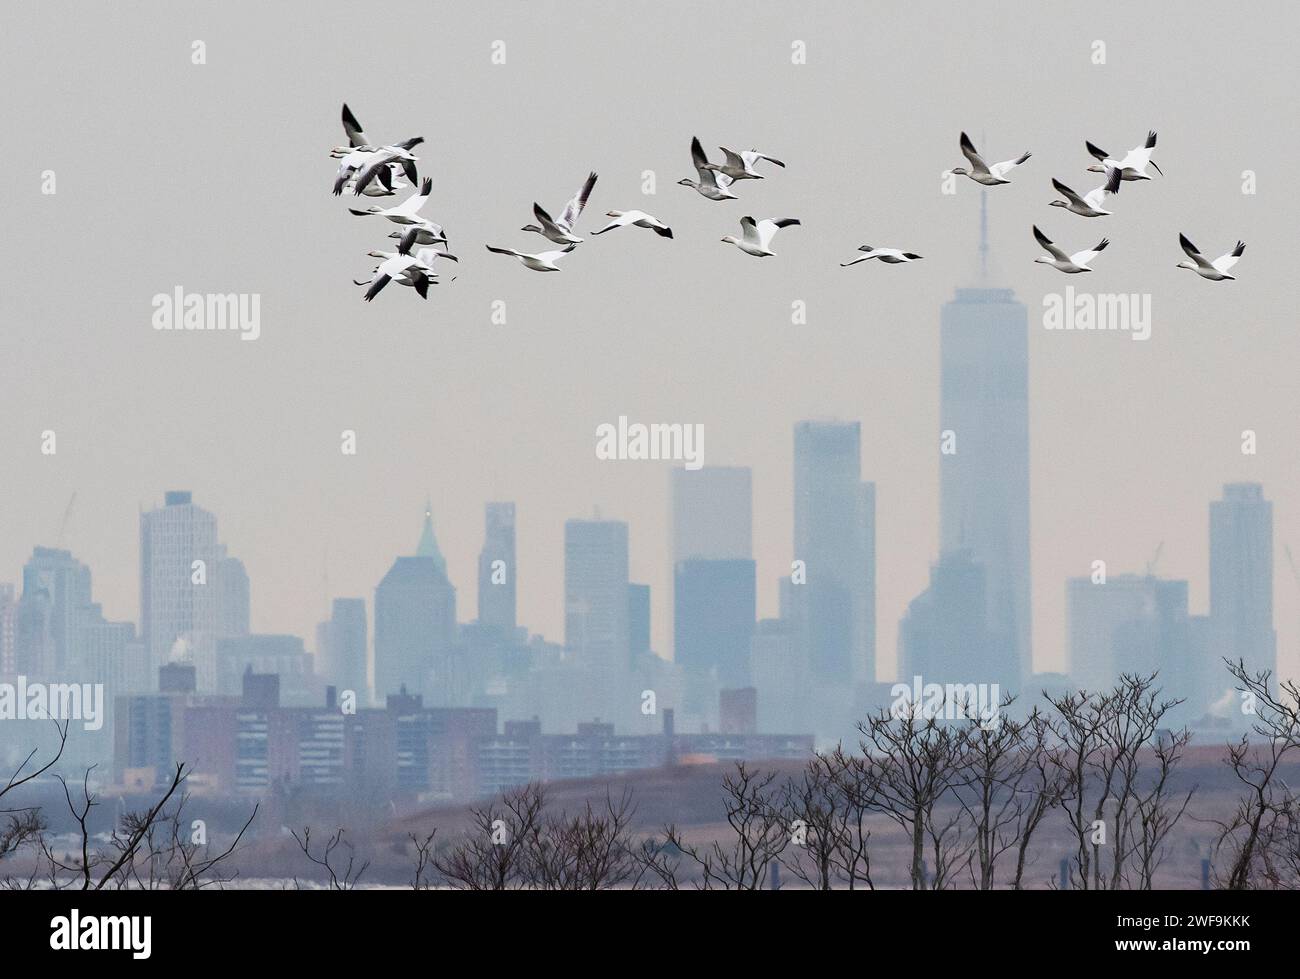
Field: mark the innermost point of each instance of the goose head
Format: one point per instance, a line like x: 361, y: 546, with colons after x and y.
x: 960, y: 171
x: 1097, y: 168
x: 1043, y: 259
x: 730, y: 239
x: 1058, y: 204
x: 1186, y: 265
x: 380, y: 254
x: 531, y: 227
x: 687, y: 182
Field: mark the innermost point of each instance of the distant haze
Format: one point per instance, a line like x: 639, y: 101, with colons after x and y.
x: 216, y: 178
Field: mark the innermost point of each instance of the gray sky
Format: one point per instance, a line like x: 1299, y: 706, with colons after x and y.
x: 215, y: 177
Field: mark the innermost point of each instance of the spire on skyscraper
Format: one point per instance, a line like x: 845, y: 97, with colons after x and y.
x: 428, y: 546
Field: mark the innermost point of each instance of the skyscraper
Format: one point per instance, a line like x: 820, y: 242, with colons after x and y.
x: 596, y: 597
x: 984, y: 462
x: 638, y: 621
x: 496, y: 569
x: 415, y: 618
x: 714, y: 619
x: 343, y: 648
x: 1130, y: 624
x: 177, y: 600
x: 834, y: 537
x: 1241, y: 582
x: 8, y: 625
x: 56, y: 595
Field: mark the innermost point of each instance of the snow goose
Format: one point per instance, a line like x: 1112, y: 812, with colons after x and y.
x: 1089, y: 205
x: 890, y: 256
x: 540, y: 262
x: 711, y: 184
x: 981, y: 172
x: 405, y: 212
x: 740, y: 166
x: 424, y: 233
x: 638, y: 219
x: 1215, y: 271
x: 1134, y: 164
x: 560, y: 230
x: 361, y: 164
x: 758, y: 235
x: 404, y: 269
x: 1070, y: 264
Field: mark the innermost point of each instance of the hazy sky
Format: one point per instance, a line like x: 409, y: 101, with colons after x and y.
x: 215, y: 177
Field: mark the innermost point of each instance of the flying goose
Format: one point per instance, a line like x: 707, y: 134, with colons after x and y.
x: 890, y: 256
x: 360, y: 164
x: 1057, y: 259
x: 560, y: 230
x: 757, y: 236
x: 404, y: 269
x: 1134, y: 164
x: 1089, y: 205
x: 638, y: 219
x: 385, y: 184
x: 540, y: 262
x: 740, y: 166
x: 405, y: 212
x: 423, y: 233
x: 711, y: 184
x: 981, y: 172
x: 1215, y: 271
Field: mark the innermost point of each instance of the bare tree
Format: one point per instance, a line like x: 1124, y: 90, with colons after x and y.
x: 915, y: 763
x: 493, y: 855
x: 1255, y: 839
x: 759, y: 835
x: 339, y: 876
x: 830, y: 804
x: 1116, y: 813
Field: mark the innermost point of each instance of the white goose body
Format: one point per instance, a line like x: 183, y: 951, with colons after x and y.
x: 539, y: 262
x: 1135, y: 162
x: 1070, y: 264
x: 757, y: 236
x: 713, y: 185
x: 1216, y: 271
x: 1090, y: 204
x: 637, y: 219
x: 560, y: 229
x: 406, y: 212
x: 981, y: 172
x: 406, y: 270
x: 890, y: 256
x: 423, y: 233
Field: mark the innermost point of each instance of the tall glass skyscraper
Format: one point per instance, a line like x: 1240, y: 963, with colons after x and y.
x: 834, y: 535
x: 496, y: 601
x: 596, y: 598
x: 984, y: 472
x: 1241, y: 582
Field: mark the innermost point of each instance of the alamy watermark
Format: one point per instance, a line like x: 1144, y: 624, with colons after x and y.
x: 181, y: 310
x: 1098, y: 311
x: 23, y: 701
x: 947, y: 701
x: 683, y: 443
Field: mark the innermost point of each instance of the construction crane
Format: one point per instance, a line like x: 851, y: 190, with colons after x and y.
x: 1151, y: 565
x: 63, y: 524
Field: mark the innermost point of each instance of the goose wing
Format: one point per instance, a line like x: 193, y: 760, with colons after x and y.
x: 416, y: 201
x: 699, y: 160
x: 734, y: 160
x: 353, y: 128
x: 1095, y: 198
x: 1096, y: 152
x: 767, y: 230
x: 368, y: 173
x: 550, y: 258
x: 1067, y: 193
x: 749, y: 231
x: 504, y: 251
x: 572, y: 210
x: 1192, y: 252
x: 1084, y: 257
x: 1224, y: 262
x: 545, y: 220
x: 999, y: 169
x: 1140, y: 156
x: 375, y: 286
x: 1052, y: 250
x: 968, y: 150
x: 753, y: 156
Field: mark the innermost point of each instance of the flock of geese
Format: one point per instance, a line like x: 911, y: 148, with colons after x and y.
x: 377, y: 170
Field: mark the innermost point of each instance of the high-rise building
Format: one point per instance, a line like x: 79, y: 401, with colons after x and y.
x: 415, y: 619
x: 1241, y: 583
x: 496, y: 569
x: 191, y: 592
x: 946, y: 637
x: 1135, y: 624
x: 638, y: 621
x: 56, y: 595
x: 714, y: 619
x: 834, y: 537
x: 342, y: 642
x: 984, y: 461
x: 8, y: 627
x: 712, y: 513
x: 596, y: 596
